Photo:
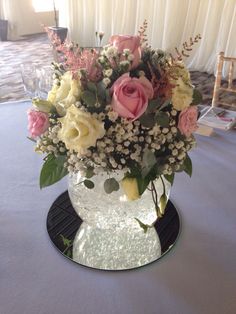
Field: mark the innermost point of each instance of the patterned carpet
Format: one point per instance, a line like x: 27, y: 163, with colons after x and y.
x: 37, y: 49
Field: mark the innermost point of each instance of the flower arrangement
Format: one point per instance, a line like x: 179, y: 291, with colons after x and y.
x: 125, y: 107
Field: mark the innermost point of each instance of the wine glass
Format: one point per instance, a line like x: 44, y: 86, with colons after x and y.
x: 29, y: 78
x: 45, y: 76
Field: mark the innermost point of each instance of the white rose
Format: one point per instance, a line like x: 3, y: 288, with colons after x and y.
x: 182, y: 95
x: 79, y: 129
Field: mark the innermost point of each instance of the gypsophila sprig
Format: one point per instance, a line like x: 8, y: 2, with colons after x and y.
x: 123, y: 107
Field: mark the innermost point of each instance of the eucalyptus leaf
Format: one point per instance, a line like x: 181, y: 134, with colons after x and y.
x: 148, y: 120
x: 148, y: 161
x: 111, y: 185
x: 197, y: 97
x: 89, y: 184
x: 108, y: 96
x: 53, y: 170
x: 153, y: 104
x: 188, y: 166
x: 101, y: 90
x: 92, y: 87
x: 89, y: 173
x: 162, y: 119
x: 89, y: 98
x: 165, y: 104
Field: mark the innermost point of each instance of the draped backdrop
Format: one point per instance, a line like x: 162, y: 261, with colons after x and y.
x: 170, y: 23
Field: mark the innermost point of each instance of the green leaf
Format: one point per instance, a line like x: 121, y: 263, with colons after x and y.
x: 147, y: 120
x: 153, y: 104
x: 142, y: 184
x: 165, y: 104
x: 162, y: 119
x: 92, y: 87
x: 42, y: 105
x: 101, y: 90
x: 31, y: 139
x: 69, y: 253
x: 170, y: 178
x: 66, y: 242
x: 89, y: 173
x: 149, y: 160
x: 188, y: 166
x: 143, y: 226
x: 108, y: 96
x: 53, y: 170
x: 89, y: 184
x: 197, y: 97
x: 111, y: 185
x: 89, y: 98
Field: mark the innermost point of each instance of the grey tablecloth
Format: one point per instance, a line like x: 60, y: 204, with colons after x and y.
x: 198, y: 276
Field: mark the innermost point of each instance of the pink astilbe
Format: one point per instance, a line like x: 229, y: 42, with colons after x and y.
x: 75, y: 58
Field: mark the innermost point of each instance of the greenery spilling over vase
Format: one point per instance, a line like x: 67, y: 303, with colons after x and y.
x: 123, y: 107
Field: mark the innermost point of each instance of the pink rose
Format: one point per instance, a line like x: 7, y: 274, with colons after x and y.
x: 38, y: 122
x: 188, y: 121
x: 130, y: 96
x: 132, y: 43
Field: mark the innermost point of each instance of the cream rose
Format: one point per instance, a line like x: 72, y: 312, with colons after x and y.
x: 182, y: 95
x: 130, y: 188
x: 66, y: 94
x: 79, y: 129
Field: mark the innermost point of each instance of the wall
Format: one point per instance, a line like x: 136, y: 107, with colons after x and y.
x: 22, y: 19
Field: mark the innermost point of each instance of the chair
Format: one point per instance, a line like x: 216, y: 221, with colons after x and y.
x: 215, y: 117
x: 218, y: 87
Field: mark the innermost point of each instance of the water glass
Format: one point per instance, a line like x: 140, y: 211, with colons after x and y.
x: 29, y: 79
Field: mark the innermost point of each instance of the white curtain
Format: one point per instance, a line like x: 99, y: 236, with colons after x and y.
x: 170, y: 23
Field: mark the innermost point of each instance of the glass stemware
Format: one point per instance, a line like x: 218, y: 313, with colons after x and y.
x: 45, y: 77
x: 30, y: 79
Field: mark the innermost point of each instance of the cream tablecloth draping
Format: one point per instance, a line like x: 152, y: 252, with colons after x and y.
x: 197, y: 277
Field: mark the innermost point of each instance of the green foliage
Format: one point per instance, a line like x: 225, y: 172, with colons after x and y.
x: 142, y: 184
x: 53, y: 170
x: 197, y: 97
x: 148, y: 120
x: 162, y: 119
x: 92, y: 87
x: 96, y: 94
x: 170, y: 178
x: 111, y: 185
x: 143, y: 226
x: 66, y: 242
x: 148, y: 161
x: 43, y: 105
x: 89, y: 98
x: 188, y: 166
x: 89, y: 184
x: 154, y: 104
x: 89, y: 173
